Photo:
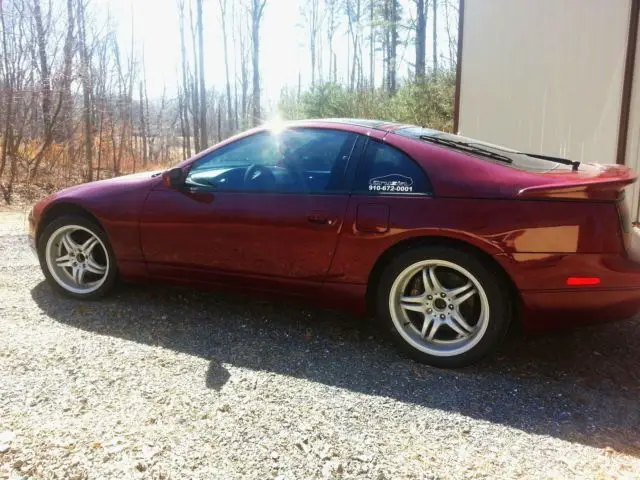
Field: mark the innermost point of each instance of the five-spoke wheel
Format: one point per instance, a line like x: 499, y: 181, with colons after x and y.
x: 76, y: 257
x: 446, y: 307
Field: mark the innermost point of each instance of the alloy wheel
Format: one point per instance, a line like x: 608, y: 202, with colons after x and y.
x: 77, y: 259
x: 439, y: 307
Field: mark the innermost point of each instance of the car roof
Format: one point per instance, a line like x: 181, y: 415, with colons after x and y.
x: 383, y: 125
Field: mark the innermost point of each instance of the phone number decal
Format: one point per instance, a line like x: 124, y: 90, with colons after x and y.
x: 390, y: 188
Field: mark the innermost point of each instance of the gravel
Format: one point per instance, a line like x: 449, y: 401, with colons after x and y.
x: 160, y: 382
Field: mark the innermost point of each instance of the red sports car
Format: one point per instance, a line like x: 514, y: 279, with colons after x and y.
x: 446, y: 239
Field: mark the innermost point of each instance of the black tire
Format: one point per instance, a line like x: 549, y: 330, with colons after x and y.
x: 490, y: 279
x: 112, y: 270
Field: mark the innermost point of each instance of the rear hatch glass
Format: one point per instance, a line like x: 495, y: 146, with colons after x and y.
x: 490, y: 152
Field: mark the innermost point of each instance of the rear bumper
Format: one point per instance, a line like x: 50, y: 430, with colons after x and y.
x: 558, y: 310
x: 548, y: 303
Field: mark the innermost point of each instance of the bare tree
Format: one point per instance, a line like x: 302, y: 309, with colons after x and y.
x: 244, y: 70
x: 48, y: 117
x: 126, y: 80
x: 451, y: 11
x: 183, y: 97
x: 86, y: 90
x: 257, y: 9
x: 390, y: 43
x: 372, y: 50
x: 101, y: 101
x: 435, y: 35
x: 143, y: 128
x: 310, y: 13
x: 223, y: 16
x: 159, y: 127
x: 332, y: 26
x: 203, y: 100
x: 421, y: 38
x: 9, y: 74
x: 195, y: 90
x: 353, y: 18
x: 234, y: 38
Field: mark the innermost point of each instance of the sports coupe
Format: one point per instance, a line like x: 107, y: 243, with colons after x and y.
x: 446, y: 240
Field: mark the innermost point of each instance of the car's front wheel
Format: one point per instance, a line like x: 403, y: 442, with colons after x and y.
x: 444, y: 306
x: 76, y: 258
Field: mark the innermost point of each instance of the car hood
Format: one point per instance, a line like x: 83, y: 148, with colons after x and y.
x: 116, y: 185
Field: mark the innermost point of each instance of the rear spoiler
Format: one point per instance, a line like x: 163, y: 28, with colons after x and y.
x: 607, y: 186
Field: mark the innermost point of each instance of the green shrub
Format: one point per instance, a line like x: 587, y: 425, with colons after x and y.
x: 428, y: 103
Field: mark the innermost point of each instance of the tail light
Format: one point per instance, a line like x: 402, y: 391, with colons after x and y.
x: 583, y: 281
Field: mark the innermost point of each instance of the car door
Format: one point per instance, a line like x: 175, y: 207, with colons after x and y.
x: 269, y: 205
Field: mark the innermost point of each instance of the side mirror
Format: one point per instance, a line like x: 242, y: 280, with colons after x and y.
x: 173, y: 178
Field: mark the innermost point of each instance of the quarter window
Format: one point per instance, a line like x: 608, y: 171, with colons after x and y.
x: 386, y: 170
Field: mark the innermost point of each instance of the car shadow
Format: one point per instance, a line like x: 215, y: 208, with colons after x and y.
x: 581, y: 386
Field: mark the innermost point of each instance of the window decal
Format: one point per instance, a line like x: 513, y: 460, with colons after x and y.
x: 391, y: 183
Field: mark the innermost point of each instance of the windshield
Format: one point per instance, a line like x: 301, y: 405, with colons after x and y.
x: 499, y: 154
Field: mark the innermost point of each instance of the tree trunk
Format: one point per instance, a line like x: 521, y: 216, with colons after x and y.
x: 330, y: 6
x: 256, y: 17
x: 392, y: 44
x: 372, y: 51
x: 102, y: 102
x: 255, y: 58
x: 244, y: 68
x: 234, y: 49
x: 100, y: 125
x: 453, y: 44
x: 358, y: 48
x: 421, y: 40
x: 312, y: 20
x: 435, y: 36
x: 223, y: 13
x: 354, y: 32
x: 194, y: 88
x: 203, y: 95
x: 86, y: 92
x: 184, y: 117
x: 148, y: 150
x: 7, y: 134
x: 181, y: 111
x: 143, y: 129
x: 45, y: 75
x: 385, y: 46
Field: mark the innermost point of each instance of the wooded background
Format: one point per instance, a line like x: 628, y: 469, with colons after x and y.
x: 74, y: 101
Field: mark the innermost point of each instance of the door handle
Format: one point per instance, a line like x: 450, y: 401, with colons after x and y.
x: 200, y: 196
x: 320, y: 219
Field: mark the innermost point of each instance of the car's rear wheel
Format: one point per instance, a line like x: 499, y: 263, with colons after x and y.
x: 76, y: 257
x: 444, y: 306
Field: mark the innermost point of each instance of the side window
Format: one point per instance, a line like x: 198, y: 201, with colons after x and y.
x: 303, y: 160
x: 386, y: 170
x: 260, y: 148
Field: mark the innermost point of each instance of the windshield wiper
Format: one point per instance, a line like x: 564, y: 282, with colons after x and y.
x: 564, y: 161
x: 466, y: 147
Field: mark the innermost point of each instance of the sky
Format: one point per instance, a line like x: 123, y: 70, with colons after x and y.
x: 284, y: 52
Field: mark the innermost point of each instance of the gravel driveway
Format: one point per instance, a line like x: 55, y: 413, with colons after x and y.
x: 160, y: 382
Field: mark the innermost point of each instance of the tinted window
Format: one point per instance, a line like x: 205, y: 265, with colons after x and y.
x: 386, y: 170
x: 294, y: 160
